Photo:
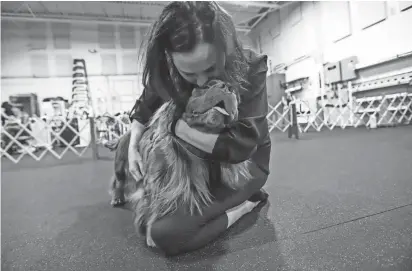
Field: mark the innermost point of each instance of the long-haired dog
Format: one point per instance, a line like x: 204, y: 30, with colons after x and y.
x: 174, y: 176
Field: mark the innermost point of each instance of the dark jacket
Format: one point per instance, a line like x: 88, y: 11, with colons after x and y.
x: 248, y: 138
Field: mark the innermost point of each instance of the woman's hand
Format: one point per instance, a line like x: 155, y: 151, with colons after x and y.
x: 135, y: 159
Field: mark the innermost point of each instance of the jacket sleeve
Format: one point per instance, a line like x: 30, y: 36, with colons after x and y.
x: 145, y: 106
x: 240, y: 140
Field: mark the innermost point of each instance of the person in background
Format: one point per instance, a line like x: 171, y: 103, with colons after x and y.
x: 13, y: 120
x: 191, y: 43
x: 8, y: 125
x: 12, y: 113
x: 293, y: 127
x: 7, y: 112
x: 85, y: 115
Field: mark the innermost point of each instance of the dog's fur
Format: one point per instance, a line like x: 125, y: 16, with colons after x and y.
x: 173, y: 175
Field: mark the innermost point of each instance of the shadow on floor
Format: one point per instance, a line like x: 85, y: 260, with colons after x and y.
x: 252, y: 230
x: 104, y: 236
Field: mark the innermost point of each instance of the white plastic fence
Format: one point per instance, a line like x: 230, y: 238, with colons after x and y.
x: 36, y: 137
x: 110, y: 128
x: 385, y: 110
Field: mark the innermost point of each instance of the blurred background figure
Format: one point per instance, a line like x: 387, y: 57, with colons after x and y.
x: 293, y: 128
x: 13, y: 119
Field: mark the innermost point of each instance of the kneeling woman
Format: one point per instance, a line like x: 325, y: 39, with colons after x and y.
x: 191, y: 43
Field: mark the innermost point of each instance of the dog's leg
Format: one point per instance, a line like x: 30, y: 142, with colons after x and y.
x: 149, y: 240
x: 118, y: 198
x: 120, y: 171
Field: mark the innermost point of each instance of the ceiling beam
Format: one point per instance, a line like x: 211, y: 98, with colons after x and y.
x: 142, y: 3
x: 260, y: 19
x: 244, y: 4
x: 73, y: 19
x: 257, y: 4
x: 266, y: 13
x: 86, y: 19
x: 29, y: 9
x: 245, y: 21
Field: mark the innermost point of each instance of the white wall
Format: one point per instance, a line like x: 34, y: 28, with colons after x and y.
x: 330, y: 31
x: 36, y: 57
x: 305, y: 35
x: 27, y: 45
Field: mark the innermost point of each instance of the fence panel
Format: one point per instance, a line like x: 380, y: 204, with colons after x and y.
x: 278, y: 117
x: 384, y: 110
x: 37, y: 137
x: 109, y: 129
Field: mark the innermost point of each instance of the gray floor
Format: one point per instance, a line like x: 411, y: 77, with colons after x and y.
x: 339, y: 200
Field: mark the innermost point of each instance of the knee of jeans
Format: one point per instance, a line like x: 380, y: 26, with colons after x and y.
x: 166, y: 237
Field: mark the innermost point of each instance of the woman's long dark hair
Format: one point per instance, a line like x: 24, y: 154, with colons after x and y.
x: 180, y: 27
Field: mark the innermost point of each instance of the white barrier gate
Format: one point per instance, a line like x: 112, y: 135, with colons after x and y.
x: 37, y: 137
x: 389, y: 110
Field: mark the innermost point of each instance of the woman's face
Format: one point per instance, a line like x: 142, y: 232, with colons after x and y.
x: 199, y: 66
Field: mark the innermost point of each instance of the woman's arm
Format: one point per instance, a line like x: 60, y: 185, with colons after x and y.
x: 136, y: 132
x: 145, y: 106
x: 239, y: 141
x: 142, y: 111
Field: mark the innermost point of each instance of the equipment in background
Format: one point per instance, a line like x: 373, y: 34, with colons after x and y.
x: 337, y: 72
x: 336, y: 75
x: 29, y: 103
x: 332, y: 73
x: 296, y: 85
x: 80, y: 108
x: 337, y: 93
x: 81, y: 101
x: 348, y: 68
x: 84, y: 132
x: 54, y: 106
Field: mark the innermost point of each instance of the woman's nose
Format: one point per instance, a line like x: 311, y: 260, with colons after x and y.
x: 201, y: 80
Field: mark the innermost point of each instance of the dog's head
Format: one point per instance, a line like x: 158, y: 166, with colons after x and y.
x: 212, y: 107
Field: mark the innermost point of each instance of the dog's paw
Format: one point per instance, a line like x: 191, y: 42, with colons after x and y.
x: 118, y: 198
x: 149, y: 241
x: 117, y: 202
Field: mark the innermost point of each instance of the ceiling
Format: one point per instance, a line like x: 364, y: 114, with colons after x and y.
x: 246, y: 14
